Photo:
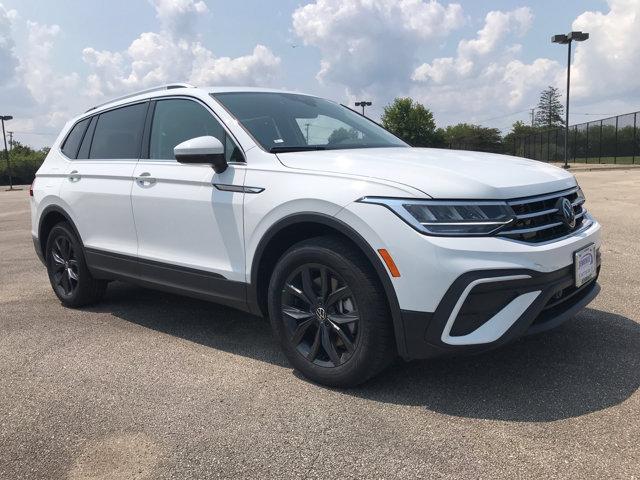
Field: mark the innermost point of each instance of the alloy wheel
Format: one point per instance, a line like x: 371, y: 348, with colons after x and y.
x: 320, y: 315
x: 64, y: 266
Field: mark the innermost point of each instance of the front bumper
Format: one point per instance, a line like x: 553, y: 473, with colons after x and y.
x: 436, y: 271
x: 477, y: 313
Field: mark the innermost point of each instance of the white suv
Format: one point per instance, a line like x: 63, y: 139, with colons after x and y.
x: 355, y: 245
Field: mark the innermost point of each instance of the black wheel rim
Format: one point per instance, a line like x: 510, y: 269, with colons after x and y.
x: 320, y: 315
x: 64, y: 266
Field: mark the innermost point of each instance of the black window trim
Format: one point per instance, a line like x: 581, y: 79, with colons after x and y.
x: 91, y: 122
x: 149, y: 121
x: 145, y: 147
x: 97, y: 114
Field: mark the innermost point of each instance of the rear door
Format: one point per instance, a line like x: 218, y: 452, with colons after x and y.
x: 188, y: 218
x: 98, y: 186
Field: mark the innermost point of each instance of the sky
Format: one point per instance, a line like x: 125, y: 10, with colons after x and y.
x: 468, y: 61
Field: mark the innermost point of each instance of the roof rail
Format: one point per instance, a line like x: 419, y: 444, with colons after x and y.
x: 169, y: 86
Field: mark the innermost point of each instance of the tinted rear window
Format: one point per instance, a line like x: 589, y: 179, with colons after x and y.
x: 118, y: 133
x: 71, y: 144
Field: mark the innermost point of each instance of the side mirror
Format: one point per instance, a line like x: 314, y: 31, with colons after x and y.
x: 205, y: 149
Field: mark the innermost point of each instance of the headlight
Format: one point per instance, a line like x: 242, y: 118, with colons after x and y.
x: 449, y: 217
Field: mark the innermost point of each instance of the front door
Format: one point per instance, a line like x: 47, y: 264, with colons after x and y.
x: 190, y: 234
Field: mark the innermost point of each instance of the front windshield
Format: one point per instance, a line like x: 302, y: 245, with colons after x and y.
x: 288, y: 122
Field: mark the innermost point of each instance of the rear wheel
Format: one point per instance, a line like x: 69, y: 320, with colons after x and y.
x: 329, y: 312
x: 68, y: 273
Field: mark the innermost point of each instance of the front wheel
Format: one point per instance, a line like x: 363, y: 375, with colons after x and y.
x: 329, y: 312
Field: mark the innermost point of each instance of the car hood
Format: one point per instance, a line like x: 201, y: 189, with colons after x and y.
x: 440, y: 173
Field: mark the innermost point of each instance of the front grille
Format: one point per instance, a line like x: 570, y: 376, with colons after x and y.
x: 538, y: 220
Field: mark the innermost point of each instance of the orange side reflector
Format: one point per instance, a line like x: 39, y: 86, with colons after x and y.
x: 391, y: 265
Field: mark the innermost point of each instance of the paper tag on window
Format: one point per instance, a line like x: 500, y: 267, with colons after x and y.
x: 278, y: 140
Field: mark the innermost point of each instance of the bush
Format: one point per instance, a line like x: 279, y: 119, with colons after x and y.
x: 24, y: 164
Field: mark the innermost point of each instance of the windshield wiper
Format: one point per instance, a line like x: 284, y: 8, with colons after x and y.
x: 300, y: 148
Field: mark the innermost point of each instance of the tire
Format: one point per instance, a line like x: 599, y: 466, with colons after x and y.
x: 70, y: 278
x: 348, y: 314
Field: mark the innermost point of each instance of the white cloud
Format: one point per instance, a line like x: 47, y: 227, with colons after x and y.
x: 8, y: 59
x: 260, y: 67
x: 607, y: 65
x: 30, y: 81
x: 485, y: 79
x: 369, y: 42
x: 45, y: 85
x: 15, y: 98
x: 35, y: 94
x: 373, y: 49
x: 370, y: 48
x: 42, y: 99
x: 179, y: 16
x: 522, y: 80
x: 174, y: 54
x: 498, y: 25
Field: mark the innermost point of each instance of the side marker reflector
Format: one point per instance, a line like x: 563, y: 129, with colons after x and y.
x: 391, y: 265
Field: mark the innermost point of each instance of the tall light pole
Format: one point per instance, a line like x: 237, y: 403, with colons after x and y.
x: 6, y: 152
x: 568, y: 39
x: 363, y: 104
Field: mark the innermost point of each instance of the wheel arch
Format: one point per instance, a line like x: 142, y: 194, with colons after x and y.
x: 297, y: 227
x: 51, y: 216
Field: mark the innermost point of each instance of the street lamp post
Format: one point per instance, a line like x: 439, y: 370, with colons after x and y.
x: 568, y: 39
x: 363, y: 104
x: 6, y: 152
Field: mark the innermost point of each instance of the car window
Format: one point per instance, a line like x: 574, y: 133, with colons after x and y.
x: 231, y: 151
x: 118, y: 133
x: 324, y: 130
x: 282, y: 122
x: 86, y: 141
x: 72, y: 142
x: 177, y: 120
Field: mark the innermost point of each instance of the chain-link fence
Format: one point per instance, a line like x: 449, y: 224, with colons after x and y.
x: 611, y: 140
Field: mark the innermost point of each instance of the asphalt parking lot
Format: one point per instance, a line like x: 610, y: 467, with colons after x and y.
x: 150, y: 386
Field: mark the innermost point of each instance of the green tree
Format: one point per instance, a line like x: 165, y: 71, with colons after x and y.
x: 473, y: 137
x: 520, y: 129
x: 342, y: 135
x: 514, y: 141
x: 412, y: 122
x: 550, y: 111
x: 25, y: 161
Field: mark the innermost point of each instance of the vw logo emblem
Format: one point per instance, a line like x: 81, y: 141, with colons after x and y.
x: 321, y: 313
x: 566, y: 213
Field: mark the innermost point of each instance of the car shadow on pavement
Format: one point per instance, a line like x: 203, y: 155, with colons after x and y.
x: 588, y: 364
x: 198, y: 321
